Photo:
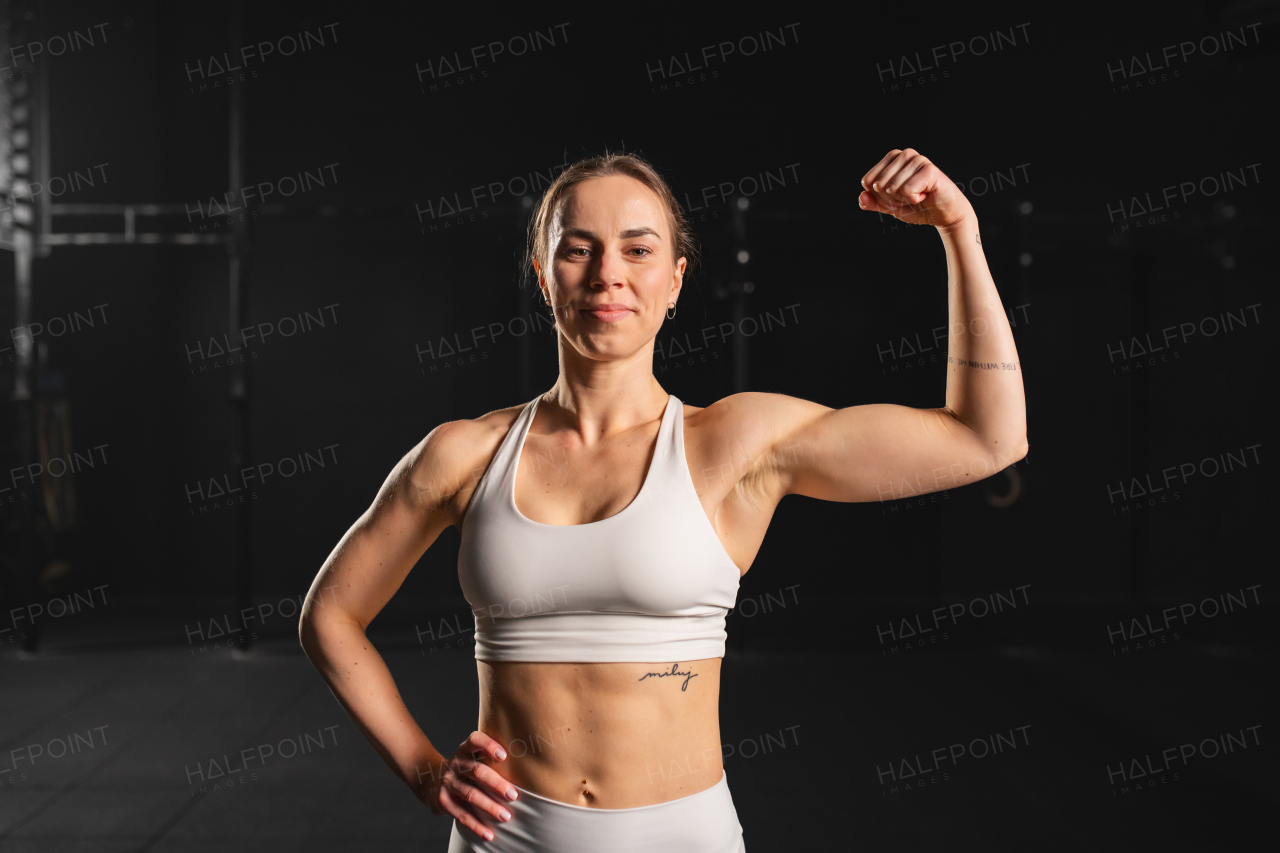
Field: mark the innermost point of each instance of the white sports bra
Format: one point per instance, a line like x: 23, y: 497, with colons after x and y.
x: 649, y: 584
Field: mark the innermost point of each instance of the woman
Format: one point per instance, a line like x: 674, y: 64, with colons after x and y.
x: 605, y: 526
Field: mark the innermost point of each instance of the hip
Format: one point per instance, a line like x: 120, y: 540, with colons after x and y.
x: 704, y: 822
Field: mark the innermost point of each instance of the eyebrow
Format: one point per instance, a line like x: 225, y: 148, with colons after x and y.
x: 625, y: 235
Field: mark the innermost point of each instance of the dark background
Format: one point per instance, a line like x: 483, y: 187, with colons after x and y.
x: 1079, y: 279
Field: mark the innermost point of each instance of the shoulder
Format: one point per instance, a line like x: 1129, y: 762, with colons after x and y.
x: 445, y: 467
x: 760, y: 414
x: 754, y: 427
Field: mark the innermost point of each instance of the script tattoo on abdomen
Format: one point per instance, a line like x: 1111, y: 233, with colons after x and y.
x: 674, y: 671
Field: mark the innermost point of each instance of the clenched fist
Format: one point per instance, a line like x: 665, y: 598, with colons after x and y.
x: 908, y: 187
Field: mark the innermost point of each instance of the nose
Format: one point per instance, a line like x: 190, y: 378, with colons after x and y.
x: 609, y: 270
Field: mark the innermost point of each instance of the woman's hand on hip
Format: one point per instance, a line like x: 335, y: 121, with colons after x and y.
x: 464, y: 787
x: 908, y: 187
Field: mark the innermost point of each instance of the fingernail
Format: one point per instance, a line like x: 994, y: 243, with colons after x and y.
x: 504, y: 814
x: 860, y: 204
x: 876, y: 186
x: 488, y: 836
x: 502, y: 754
x: 511, y: 794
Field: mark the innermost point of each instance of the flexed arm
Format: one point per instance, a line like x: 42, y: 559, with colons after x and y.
x: 984, y: 381
x: 881, y: 451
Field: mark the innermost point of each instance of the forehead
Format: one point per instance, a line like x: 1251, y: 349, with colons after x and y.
x: 611, y: 204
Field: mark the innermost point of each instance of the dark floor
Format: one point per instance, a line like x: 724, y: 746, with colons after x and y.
x: 809, y: 736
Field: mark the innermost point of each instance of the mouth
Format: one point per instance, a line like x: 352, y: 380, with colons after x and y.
x: 609, y: 313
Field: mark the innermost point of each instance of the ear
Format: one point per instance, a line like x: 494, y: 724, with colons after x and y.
x: 537, y: 269
x: 677, y: 277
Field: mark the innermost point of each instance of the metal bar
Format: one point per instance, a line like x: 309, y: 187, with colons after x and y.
x: 107, y: 208
x: 40, y: 140
x: 238, y: 316
x: 116, y: 238
x: 22, y: 252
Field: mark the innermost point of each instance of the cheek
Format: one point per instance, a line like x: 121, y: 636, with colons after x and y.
x: 566, y: 275
x: 656, y: 280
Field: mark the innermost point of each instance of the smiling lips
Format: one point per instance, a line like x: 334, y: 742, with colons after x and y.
x: 610, y: 312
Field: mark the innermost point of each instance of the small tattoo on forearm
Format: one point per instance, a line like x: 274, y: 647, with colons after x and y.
x: 984, y: 365
x: 977, y: 239
x: 674, y: 671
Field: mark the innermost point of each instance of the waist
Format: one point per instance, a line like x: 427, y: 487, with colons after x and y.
x: 605, y: 735
x: 600, y: 637
x: 705, y: 822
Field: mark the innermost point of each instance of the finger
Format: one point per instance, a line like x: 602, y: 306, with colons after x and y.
x: 873, y: 174
x: 868, y: 201
x: 921, y: 183
x: 891, y: 171
x: 478, y: 799
x: 494, y: 780
x: 490, y: 747
x: 909, y: 169
x: 884, y: 204
x: 464, y: 816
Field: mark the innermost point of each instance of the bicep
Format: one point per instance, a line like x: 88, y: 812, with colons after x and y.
x: 376, y: 554
x: 883, y: 452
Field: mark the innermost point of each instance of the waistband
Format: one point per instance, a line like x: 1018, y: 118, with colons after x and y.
x: 704, y: 822
x: 713, y: 791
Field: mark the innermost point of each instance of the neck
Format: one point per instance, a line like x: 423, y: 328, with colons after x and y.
x: 598, y: 399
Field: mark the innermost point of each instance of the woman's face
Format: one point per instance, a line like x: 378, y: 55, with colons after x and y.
x: 613, y: 268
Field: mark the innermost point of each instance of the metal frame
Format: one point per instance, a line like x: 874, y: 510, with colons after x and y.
x: 33, y: 234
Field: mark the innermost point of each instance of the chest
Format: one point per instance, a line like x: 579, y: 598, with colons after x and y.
x: 560, y: 482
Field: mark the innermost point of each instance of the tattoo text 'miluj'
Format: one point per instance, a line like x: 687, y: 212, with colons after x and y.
x: 674, y: 671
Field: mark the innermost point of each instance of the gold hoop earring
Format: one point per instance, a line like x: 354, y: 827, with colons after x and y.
x: 672, y: 315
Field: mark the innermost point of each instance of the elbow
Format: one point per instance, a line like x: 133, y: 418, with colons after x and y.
x: 320, y: 622
x: 1004, y: 451
x: 307, y: 632
x: 310, y: 628
x: 1008, y: 448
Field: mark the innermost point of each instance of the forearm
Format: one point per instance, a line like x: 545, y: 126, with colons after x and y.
x: 362, y: 683
x: 984, y: 376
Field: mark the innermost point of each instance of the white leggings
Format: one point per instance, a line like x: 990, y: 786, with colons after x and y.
x: 705, y: 822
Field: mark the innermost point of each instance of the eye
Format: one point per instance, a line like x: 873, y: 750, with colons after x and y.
x: 645, y: 249
x: 573, y: 249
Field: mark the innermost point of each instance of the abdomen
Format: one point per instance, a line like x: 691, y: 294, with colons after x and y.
x: 605, y: 735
